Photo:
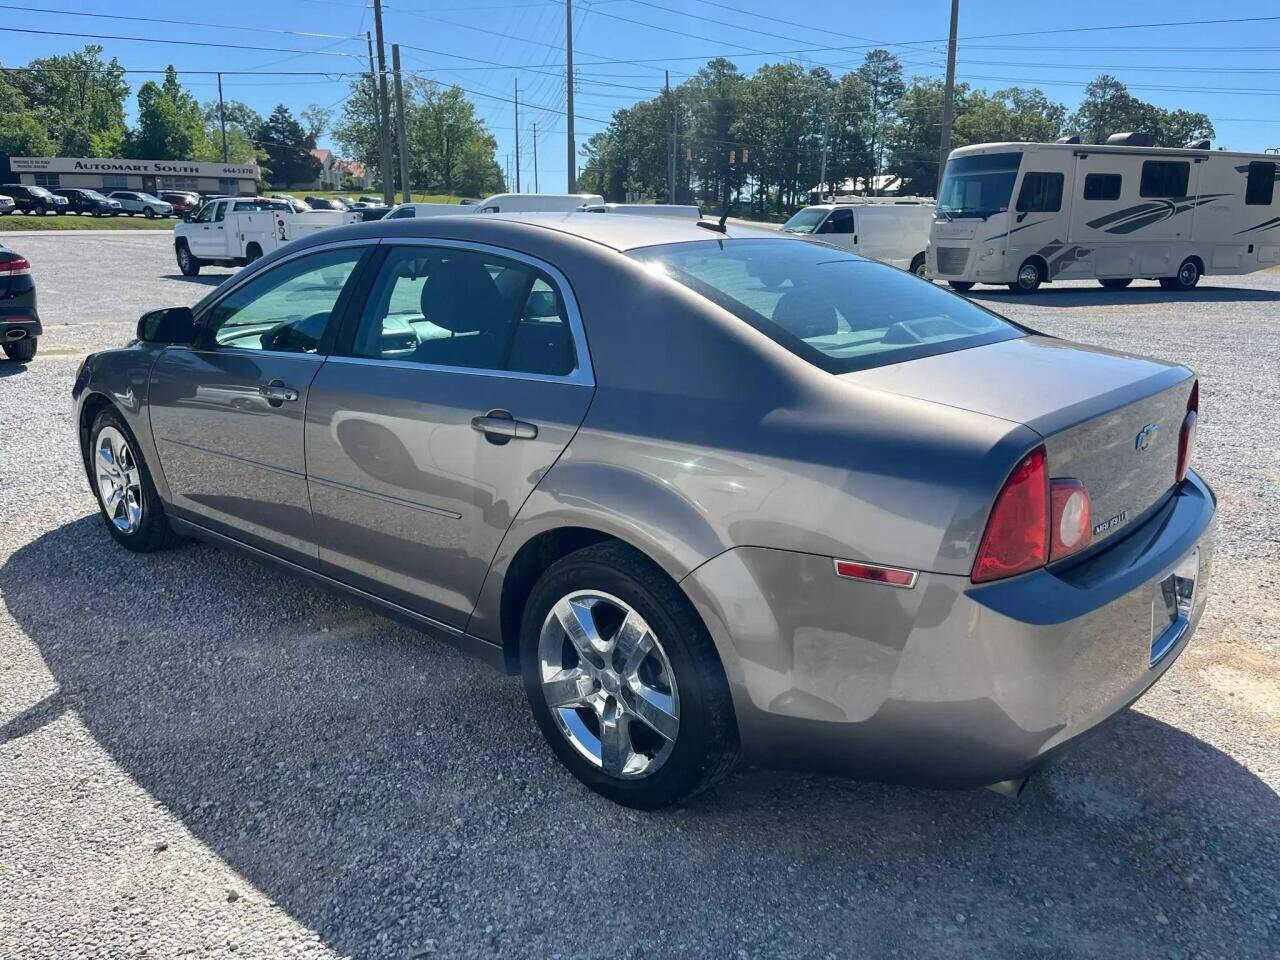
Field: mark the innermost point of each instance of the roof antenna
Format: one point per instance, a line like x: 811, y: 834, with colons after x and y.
x: 719, y: 226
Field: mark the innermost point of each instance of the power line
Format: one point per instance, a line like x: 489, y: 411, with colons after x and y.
x: 183, y: 43
x: 181, y: 23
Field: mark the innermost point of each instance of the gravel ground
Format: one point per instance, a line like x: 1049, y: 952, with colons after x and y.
x: 203, y: 758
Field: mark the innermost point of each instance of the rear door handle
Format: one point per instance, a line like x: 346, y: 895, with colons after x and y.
x: 499, y: 426
x: 277, y: 392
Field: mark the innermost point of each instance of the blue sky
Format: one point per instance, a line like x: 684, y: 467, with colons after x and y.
x: 1231, y: 71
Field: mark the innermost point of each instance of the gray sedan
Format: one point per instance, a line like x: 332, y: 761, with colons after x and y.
x: 842, y: 519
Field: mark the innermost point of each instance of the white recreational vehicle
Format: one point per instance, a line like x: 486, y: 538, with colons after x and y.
x: 1023, y: 214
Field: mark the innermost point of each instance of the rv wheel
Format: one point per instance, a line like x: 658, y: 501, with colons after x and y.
x: 1188, y: 276
x: 960, y: 285
x: 1115, y: 283
x: 1029, y: 278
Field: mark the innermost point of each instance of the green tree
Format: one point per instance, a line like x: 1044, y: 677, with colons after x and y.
x: 1109, y: 108
x: 76, y: 97
x: 170, y: 122
x: 287, y: 147
x: 242, y: 124
x: 881, y: 73
x: 21, y: 132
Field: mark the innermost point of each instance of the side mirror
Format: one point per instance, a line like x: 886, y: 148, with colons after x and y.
x: 170, y: 325
x: 188, y: 217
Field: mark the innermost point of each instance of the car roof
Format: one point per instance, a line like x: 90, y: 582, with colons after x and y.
x: 629, y: 232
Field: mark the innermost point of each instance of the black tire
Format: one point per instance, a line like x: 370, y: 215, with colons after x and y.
x: 1187, y: 277
x: 252, y: 252
x: 1116, y: 283
x: 960, y: 285
x: 705, y: 747
x: 39, y: 210
x: 148, y: 213
x: 917, y: 266
x: 21, y: 351
x: 153, y: 531
x: 1030, y: 276
x: 188, y: 263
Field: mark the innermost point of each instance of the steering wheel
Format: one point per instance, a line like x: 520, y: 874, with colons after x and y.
x: 296, y: 336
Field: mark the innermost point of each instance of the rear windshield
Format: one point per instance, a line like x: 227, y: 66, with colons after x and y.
x: 837, y: 311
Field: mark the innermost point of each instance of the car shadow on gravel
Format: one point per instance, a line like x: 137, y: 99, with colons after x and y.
x: 204, y: 279
x: 393, y: 796
x: 1130, y: 297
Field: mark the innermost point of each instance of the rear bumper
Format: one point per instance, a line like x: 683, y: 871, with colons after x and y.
x: 16, y: 327
x: 945, y: 684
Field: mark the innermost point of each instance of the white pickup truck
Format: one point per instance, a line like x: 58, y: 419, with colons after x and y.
x: 233, y: 231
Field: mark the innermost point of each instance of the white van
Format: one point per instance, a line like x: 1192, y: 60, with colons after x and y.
x: 407, y: 211
x: 685, y: 210
x: 1112, y: 213
x: 536, y: 202
x: 893, y: 230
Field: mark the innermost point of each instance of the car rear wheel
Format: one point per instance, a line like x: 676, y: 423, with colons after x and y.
x: 21, y: 351
x: 252, y: 252
x: 1116, y: 283
x: 187, y: 262
x: 127, y: 496
x: 624, y: 680
x: 960, y: 285
x: 1187, y: 277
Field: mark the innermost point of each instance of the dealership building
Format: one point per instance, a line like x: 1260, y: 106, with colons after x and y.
x: 150, y: 176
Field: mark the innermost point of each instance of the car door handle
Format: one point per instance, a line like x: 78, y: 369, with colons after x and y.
x: 499, y: 426
x: 277, y: 392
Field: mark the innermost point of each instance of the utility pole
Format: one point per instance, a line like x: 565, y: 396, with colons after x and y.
x: 222, y: 119
x: 535, y: 156
x: 671, y: 120
x: 401, y: 131
x: 506, y: 183
x: 948, y: 96
x: 384, y: 110
x: 568, y: 79
x: 822, y: 167
x: 517, y: 82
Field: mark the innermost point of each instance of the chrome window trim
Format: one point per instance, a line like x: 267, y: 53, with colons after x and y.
x: 583, y: 373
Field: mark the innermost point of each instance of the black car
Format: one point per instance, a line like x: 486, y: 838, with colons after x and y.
x: 373, y: 212
x: 82, y: 200
x: 324, y: 203
x: 19, y: 322
x: 32, y: 199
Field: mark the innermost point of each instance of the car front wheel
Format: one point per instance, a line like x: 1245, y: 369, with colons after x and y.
x: 624, y: 680
x: 127, y: 496
x: 148, y: 213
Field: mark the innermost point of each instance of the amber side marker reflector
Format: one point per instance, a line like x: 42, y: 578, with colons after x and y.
x: 890, y: 576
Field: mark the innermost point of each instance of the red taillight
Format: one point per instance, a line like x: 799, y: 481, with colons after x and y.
x: 1069, y: 518
x: 15, y: 267
x: 1017, y: 535
x: 1187, y: 436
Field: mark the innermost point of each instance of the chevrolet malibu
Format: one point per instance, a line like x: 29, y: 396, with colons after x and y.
x: 842, y: 520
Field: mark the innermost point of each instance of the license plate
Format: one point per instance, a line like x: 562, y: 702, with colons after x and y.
x: 1171, y: 606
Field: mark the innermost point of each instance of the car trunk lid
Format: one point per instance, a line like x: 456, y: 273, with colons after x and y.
x: 1110, y: 420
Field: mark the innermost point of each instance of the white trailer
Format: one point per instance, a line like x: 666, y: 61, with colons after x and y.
x: 1024, y: 214
x: 233, y: 231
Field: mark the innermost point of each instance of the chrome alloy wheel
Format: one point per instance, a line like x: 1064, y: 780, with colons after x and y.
x: 119, y: 480
x: 609, y: 684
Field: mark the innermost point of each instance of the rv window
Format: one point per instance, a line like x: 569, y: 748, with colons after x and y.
x: 1041, y: 193
x: 1262, y: 184
x: 1164, y: 178
x: 1102, y: 186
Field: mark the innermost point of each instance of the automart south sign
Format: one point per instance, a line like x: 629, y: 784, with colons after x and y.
x: 188, y: 168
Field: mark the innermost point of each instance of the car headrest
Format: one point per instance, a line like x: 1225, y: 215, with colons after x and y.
x: 806, y: 313
x: 459, y: 296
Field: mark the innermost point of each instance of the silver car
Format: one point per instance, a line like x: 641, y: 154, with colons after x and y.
x: 136, y: 201
x: 844, y: 519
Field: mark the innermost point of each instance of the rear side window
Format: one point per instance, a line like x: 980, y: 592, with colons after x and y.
x: 839, y: 312
x: 1041, y: 193
x: 1262, y: 184
x: 458, y: 308
x: 1102, y: 186
x: 1164, y: 178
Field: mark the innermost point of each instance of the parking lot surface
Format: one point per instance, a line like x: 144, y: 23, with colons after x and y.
x: 202, y: 757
